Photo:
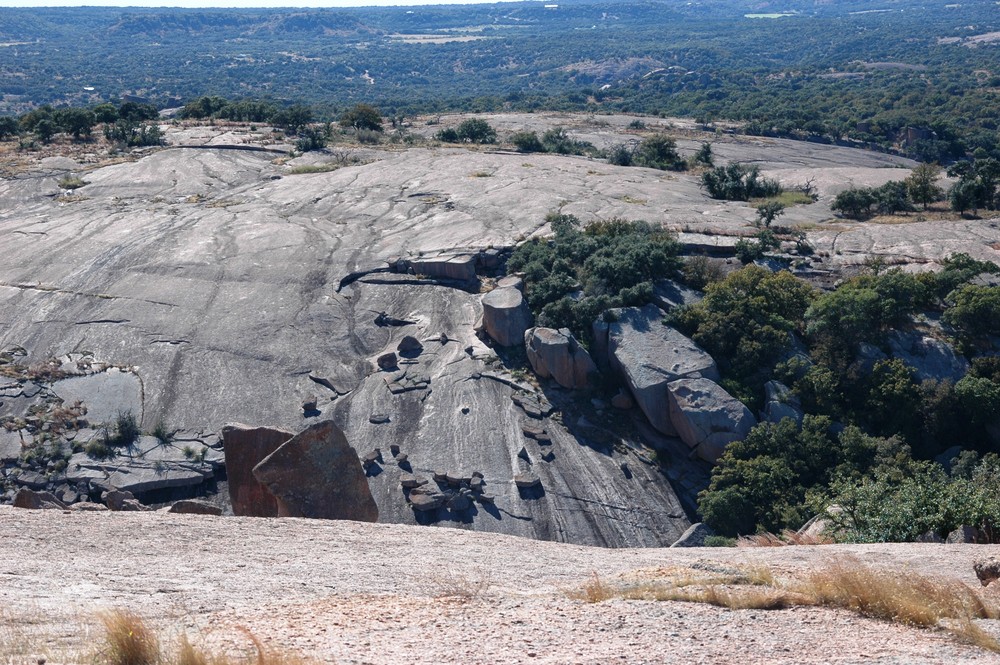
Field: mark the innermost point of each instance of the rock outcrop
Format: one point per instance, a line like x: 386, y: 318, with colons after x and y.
x: 932, y: 358
x: 781, y: 403
x: 194, y: 507
x: 557, y: 354
x: 987, y: 569
x: 707, y: 417
x: 245, y: 447
x: 506, y: 316
x: 648, y: 355
x: 695, y: 536
x: 317, y: 474
x: 26, y: 498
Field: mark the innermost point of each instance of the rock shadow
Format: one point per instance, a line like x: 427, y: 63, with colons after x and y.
x: 531, y: 493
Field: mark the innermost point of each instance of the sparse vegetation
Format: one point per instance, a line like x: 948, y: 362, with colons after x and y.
x: 845, y: 583
x: 129, y: 640
x: 71, y: 182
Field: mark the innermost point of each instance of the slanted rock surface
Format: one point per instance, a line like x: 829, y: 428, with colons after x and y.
x: 707, y: 417
x: 317, y: 474
x: 506, y: 316
x: 235, y: 290
x: 648, y: 355
x: 245, y: 447
x: 557, y: 354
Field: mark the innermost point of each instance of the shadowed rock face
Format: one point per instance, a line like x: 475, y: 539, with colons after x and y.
x: 245, y: 447
x: 317, y: 474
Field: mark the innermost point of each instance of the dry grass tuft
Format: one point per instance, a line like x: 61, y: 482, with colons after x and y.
x: 902, y: 598
x: 129, y: 641
x: 458, y: 586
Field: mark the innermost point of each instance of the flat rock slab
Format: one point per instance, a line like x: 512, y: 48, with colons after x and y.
x: 10, y: 445
x: 133, y: 475
x: 105, y: 394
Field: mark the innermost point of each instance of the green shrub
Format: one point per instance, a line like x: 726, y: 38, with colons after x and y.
x: 558, y: 141
x: 901, y: 502
x: 974, y: 312
x: 766, y: 481
x: 527, y: 142
x: 745, y: 321
x: 72, y: 182
x: 738, y: 182
x: 659, y: 151
x: 476, y: 130
x: 613, y: 263
x: 863, y: 308
x: 362, y: 116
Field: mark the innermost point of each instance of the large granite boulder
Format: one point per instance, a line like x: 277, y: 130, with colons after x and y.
x: 707, y: 418
x: 245, y: 447
x: 317, y: 474
x: 929, y: 356
x: 556, y: 354
x: 506, y: 316
x: 648, y: 355
x: 26, y: 498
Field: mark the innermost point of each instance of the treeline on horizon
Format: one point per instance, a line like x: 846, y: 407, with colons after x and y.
x: 903, y: 76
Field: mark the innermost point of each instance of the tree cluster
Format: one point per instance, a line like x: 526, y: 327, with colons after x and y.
x: 573, y: 278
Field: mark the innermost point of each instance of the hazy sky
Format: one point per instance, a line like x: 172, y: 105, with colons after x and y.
x: 232, y: 3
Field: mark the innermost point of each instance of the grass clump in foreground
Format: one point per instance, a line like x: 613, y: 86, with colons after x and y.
x: 848, y: 584
x: 128, y: 640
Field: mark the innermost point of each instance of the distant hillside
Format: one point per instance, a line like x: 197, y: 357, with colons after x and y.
x: 824, y: 71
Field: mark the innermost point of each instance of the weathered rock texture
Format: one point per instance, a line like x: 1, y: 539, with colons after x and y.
x: 506, y: 316
x: 245, y: 447
x: 648, y: 355
x: 707, y: 417
x: 557, y: 354
x: 317, y: 474
x: 239, y: 289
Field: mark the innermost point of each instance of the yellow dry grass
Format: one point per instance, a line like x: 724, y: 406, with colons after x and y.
x: 845, y: 583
